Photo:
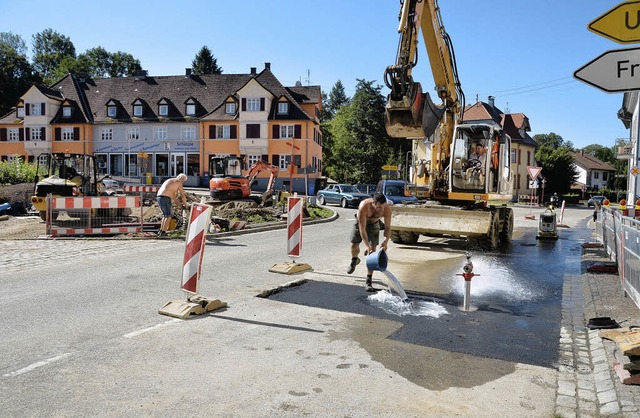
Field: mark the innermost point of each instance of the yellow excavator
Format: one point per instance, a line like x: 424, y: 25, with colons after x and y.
x: 457, y: 168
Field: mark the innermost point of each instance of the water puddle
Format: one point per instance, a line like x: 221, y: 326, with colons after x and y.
x: 396, y: 305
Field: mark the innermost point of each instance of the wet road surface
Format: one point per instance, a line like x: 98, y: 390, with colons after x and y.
x: 518, y: 298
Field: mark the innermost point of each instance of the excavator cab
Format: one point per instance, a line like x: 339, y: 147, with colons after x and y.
x: 227, y: 181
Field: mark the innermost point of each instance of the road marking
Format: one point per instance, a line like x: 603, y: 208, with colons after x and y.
x: 36, y: 365
x: 145, y: 330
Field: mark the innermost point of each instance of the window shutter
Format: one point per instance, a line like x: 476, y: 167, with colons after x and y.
x: 275, y: 160
x: 3, y: 134
x: 244, y: 105
x: 233, y: 131
x: 27, y: 109
x: 42, y: 108
x: 58, y: 134
x: 21, y: 135
x: 265, y: 158
x: 43, y: 133
x: 275, y: 132
x: 212, y: 131
x: 297, y: 131
x: 28, y: 134
x: 262, y: 104
x: 76, y: 134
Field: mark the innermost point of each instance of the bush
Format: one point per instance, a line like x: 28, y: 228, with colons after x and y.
x: 17, y: 171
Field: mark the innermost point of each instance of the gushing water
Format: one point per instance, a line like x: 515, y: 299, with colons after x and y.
x: 395, y: 305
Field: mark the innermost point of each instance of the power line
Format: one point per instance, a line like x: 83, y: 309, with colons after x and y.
x: 533, y: 85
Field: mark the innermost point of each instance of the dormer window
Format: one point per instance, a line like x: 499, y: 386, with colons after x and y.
x: 20, y: 112
x: 66, y: 111
x: 230, y: 108
x: 137, y: 109
x: 111, y: 111
x: 163, y: 110
x: 190, y: 110
x: 283, y: 108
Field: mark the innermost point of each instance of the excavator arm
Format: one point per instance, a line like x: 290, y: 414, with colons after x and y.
x: 260, y: 166
x: 410, y: 113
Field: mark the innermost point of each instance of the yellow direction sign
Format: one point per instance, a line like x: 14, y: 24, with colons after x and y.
x: 390, y: 167
x: 620, y: 24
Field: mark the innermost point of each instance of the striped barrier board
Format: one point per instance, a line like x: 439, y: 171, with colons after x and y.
x: 103, y: 202
x: 131, y: 188
x: 95, y: 231
x: 199, y: 220
x: 294, y: 226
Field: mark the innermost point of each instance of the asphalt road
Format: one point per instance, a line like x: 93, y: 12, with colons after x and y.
x: 81, y: 333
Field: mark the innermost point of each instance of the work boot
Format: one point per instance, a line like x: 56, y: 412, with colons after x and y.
x: 352, y: 267
x: 368, y: 285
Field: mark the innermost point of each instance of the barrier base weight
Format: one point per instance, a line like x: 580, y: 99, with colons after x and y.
x: 289, y: 268
x: 194, y: 305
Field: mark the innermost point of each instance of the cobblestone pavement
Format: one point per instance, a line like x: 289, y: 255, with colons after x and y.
x: 587, y: 383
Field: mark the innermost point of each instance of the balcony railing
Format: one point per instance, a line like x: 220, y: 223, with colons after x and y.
x: 624, y: 152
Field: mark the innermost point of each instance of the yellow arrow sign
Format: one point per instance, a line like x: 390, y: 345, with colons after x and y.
x: 620, y: 24
x: 390, y: 167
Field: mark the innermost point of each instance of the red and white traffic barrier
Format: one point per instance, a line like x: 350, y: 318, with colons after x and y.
x: 56, y: 232
x: 103, y: 202
x: 131, y: 188
x: 294, y: 226
x: 199, y: 220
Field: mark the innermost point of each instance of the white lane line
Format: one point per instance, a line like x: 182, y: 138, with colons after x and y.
x: 36, y: 365
x: 144, y: 330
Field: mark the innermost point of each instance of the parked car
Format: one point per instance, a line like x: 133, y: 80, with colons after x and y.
x: 342, y: 194
x: 369, y: 189
x: 595, y: 200
x: 393, y: 190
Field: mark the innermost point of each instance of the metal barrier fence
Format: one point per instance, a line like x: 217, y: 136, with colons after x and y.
x: 67, y: 216
x: 620, y: 236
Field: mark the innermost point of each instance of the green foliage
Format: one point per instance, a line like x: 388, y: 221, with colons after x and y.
x: 554, y: 156
x: 17, y: 171
x: 50, y: 48
x: 317, y: 212
x: 16, y: 76
x: 123, y: 65
x: 205, y: 63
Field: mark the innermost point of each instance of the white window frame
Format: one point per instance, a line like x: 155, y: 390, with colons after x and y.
x: 133, y: 133
x: 287, y: 131
x: 20, y: 112
x: 230, y: 108
x: 189, y: 133
x: 514, y: 155
x: 67, y: 134
x: 253, y: 158
x: 160, y: 133
x: 66, y: 111
x: 36, y: 134
x: 163, y: 110
x: 13, y: 134
x: 282, y: 163
x: 253, y: 105
x: 35, y: 109
x: 283, y: 108
x: 106, y: 134
x: 191, y: 109
x: 137, y: 110
x: 111, y: 111
x: 223, y: 131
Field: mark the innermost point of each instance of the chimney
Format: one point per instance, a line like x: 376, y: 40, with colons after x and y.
x: 267, y: 66
x: 253, y: 70
x: 187, y: 72
x: 141, y: 75
x: 492, y: 102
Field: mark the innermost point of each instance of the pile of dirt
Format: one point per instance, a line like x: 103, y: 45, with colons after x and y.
x: 18, y: 195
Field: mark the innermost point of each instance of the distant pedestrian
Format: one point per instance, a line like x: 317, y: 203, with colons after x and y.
x: 167, y: 194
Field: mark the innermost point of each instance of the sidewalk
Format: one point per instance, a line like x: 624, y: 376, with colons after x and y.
x: 588, y: 386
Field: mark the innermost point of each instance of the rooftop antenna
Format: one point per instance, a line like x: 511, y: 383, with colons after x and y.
x: 308, y: 77
x: 507, y: 111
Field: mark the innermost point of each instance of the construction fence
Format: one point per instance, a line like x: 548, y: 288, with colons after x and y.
x: 620, y: 236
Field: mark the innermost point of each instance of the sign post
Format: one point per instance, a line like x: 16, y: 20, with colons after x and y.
x: 533, y: 173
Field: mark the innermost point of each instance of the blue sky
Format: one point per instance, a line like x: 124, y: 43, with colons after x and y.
x: 523, y: 52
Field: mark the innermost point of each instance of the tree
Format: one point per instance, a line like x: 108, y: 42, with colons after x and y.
x: 554, y: 156
x: 14, y: 41
x: 205, y: 63
x: 16, y: 76
x: 98, y: 60
x: 123, y: 65
x: 337, y: 99
x: 50, y: 48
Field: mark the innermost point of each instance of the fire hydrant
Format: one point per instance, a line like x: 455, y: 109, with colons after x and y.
x: 467, y: 274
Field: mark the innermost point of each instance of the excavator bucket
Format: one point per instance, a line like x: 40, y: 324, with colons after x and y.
x: 419, y: 120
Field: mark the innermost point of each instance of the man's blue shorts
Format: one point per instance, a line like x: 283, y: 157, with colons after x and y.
x: 165, y: 205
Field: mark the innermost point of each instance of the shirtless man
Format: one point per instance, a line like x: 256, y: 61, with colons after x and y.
x: 168, y: 193
x: 367, y: 229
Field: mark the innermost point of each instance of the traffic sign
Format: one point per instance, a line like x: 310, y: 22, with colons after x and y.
x: 614, y: 71
x: 533, y: 171
x: 635, y: 170
x: 390, y: 167
x: 533, y: 184
x: 620, y: 24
